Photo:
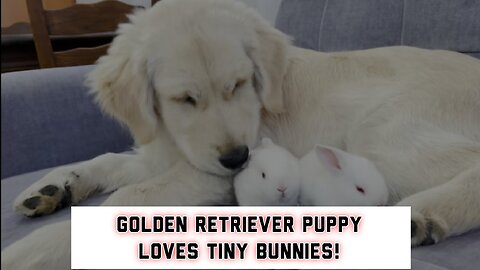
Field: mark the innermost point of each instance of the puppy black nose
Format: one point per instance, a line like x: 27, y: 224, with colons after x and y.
x: 235, y: 158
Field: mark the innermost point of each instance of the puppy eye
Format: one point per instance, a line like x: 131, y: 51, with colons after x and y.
x: 239, y: 84
x: 263, y: 175
x: 188, y: 100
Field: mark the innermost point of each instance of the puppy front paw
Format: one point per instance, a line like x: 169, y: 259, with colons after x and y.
x: 46, y: 196
x: 427, y: 228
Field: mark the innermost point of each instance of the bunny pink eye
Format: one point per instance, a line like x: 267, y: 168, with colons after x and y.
x: 263, y: 175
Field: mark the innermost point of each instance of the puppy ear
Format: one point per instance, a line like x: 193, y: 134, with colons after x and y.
x: 122, y: 88
x: 270, y: 60
x: 328, y: 156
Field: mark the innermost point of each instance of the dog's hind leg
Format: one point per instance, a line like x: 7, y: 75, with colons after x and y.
x: 449, y: 209
x: 70, y: 184
x: 437, y: 172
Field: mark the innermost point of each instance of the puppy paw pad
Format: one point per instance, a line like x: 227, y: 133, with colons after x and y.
x: 32, y: 203
x: 49, y: 190
x: 46, y: 201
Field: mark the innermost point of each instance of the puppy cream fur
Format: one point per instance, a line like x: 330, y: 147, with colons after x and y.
x: 193, y: 78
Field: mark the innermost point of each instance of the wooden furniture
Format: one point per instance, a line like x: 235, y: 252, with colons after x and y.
x: 18, y: 47
x: 79, y: 20
x: 18, y: 50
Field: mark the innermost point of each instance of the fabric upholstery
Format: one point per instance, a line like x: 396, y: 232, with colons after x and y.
x: 49, y: 119
x: 15, y: 226
x: 351, y: 24
x: 456, y: 253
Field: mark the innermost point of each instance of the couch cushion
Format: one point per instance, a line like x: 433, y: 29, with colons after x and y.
x: 351, y: 24
x: 446, y: 24
x: 15, y: 226
x: 49, y: 119
x: 459, y: 252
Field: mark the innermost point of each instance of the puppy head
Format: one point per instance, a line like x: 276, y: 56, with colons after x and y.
x: 200, y: 70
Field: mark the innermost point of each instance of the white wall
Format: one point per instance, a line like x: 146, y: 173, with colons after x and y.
x: 267, y: 8
x: 143, y: 3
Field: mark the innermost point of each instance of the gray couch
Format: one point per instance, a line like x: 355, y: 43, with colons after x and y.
x: 48, y: 118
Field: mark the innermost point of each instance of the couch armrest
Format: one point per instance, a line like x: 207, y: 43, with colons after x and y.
x: 49, y: 119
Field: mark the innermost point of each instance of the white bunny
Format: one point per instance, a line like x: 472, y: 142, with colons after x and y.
x: 325, y: 176
x: 271, y: 177
x: 331, y: 176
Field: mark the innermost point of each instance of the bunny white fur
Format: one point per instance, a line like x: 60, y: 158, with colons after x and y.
x: 331, y: 176
x: 271, y: 178
x: 325, y: 176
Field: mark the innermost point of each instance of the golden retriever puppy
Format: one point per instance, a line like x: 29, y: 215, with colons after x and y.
x: 199, y: 82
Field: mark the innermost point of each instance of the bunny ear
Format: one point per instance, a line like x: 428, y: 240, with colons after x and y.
x: 328, y: 156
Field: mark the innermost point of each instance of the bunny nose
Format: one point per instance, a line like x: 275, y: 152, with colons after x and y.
x: 282, y: 189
